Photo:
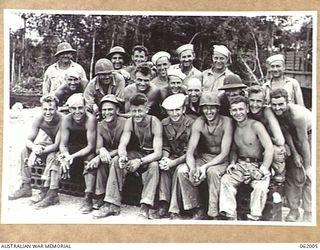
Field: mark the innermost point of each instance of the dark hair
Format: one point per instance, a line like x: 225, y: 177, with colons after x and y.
x: 278, y: 93
x: 255, y: 90
x: 140, y: 48
x: 138, y: 99
x: 144, y: 69
x: 238, y: 99
x: 49, y: 98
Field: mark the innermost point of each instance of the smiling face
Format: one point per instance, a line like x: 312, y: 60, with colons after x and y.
x: 139, y: 57
x: 49, y: 110
x: 219, y: 61
x: 279, y: 105
x: 77, y: 110
x: 186, y: 58
x: 175, y: 84
x: 138, y: 113
x: 239, y: 111
x: 109, y: 111
x: 276, y: 69
x: 65, y: 57
x: 162, y: 65
x: 105, y: 78
x: 210, y: 112
x: 117, y: 61
x: 230, y: 93
x: 194, y: 91
x: 176, y: 114
x: 256, y: 102
x: 73, y: 82
x: 142, y: 82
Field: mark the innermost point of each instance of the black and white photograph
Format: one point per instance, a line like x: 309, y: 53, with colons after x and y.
x: 152, y: 117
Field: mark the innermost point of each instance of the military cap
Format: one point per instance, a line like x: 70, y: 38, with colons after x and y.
x: 222, y: 49
x: 209, y: 98
x: 110, y: 98
x: 174, y: 101
x: 184, y: 47
x: 158, y: 55
x: 273, y: 58
x: 232, y: 81
x: 117, y: 49
x: 176, y: 72
x: 64, y: 47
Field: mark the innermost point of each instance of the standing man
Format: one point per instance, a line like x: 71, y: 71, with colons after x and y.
x: 194, y: 91
x: 186, y: 57
x: 211, y: 137
x: 212, y: 79
x: 47, y: 125
x: 276, y: 68
x: 251, y: 157
x: 109, y: 131
x: 118, y: 56
x: 55, y: 74
x: 78, y: 138
x: 176, y: 134
x: 161, y: 60
x: 143, y: 85
x: 232, y: 87
x: 297, y: 123
x: 139, y: 55
x: 139, y: 151
x: 264, y: 114
x: 105, y: 82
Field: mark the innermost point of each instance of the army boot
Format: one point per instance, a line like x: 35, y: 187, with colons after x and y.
x: 24, y: 191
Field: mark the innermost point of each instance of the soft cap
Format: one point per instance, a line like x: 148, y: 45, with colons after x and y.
x: 176, y: 72
x: 174, y: 101
x: 78, y: 97
x: 158, y: 55
x: 222, y: 49
x: 273, y: 58
x: 184, y: 47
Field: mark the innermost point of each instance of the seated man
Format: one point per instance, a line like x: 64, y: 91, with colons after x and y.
x: 211, y: 135
x: 251, y: 157
x: 139, y: 151
x: 109, y: 131
x: 176, y: 133
x: 297, y: 123
x: 72, y: 86
x: 264, y: 114
x: 78, y: 139
x: 143, y: 85
x: 43, y: 148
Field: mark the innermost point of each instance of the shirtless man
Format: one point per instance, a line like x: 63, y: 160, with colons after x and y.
x: 139, y: 151
x: 296, y: 121
x: 176, y: 134
x: 175, y: 84
x: 143, y: 85
x: 109, y: 131
x: 251, y: 157
x: 211, y: 135
x: 161, y: 60
x: 264, y: 114
x: 44, y: 147
x: 78, y: 138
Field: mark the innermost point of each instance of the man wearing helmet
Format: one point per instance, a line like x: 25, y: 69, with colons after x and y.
x: 105, y: 82
x: 55, y: 75
x: 206, y: 158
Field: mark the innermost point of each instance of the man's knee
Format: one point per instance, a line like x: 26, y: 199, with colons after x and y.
x: 182, y: 170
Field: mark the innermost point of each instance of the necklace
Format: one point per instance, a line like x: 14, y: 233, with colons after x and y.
x: 215, y: 127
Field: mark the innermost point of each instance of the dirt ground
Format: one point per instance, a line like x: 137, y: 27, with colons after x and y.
x: 22, y: 211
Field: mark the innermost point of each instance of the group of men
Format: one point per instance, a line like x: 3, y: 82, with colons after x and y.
x: 181, y: 130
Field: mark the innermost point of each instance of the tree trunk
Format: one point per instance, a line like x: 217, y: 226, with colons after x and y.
x: 93, y: 52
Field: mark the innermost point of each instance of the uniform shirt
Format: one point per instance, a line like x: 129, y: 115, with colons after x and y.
x: 175, y: 140
x: 193, y: 109
x: 54, y: 77
x: 111, y: 136
x: 194, y: 72
x: 291, y: 85
x: 94, y: 92
x: 210, y: 82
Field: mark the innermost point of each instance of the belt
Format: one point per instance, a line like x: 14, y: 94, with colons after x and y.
x: 249, y: 159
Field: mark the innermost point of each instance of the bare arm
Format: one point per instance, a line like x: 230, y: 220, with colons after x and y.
x: 65, y: 133
x: 193, y: 143
x: 33, y: 133
x: 276, y: 133
x: 225, y: 145
x: 46, y: 83
x: 157, y: 143
x: 303, y: 143
x: 53, y: 147
x: 266, y: 143
x: 125, y: 138
x: 298, y: 93
x: 91, y: 138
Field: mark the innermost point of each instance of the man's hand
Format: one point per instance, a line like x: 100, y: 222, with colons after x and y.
x: 133, y: 165
x: 308, y: 172
x: 96, y: 111
x: 94, y: 163
x: 194, y: 176
x: 123, y: 161
x: 231, y: 168
x: 64, y: 168
x: 256, y: 175
x: 38, y: 149
x: 165, y: 163
x: 297, y: 160
x: 104, y: 156
x: 203, y: 173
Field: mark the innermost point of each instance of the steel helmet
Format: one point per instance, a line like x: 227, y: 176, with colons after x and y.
x: 103, y: 66
x: 209, y: 98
